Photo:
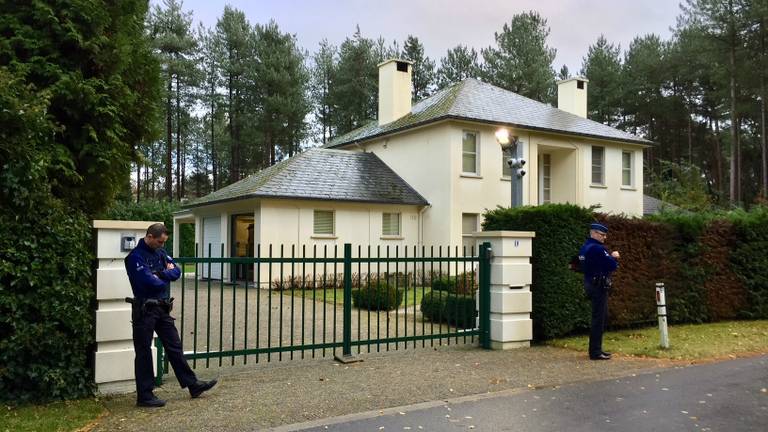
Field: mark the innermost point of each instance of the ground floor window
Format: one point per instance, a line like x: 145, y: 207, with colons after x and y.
x: 390, y: 224
x: 324, y: 222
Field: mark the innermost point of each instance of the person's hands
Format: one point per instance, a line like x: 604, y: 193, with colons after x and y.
x: 169, y: 266
x: 615, y: 254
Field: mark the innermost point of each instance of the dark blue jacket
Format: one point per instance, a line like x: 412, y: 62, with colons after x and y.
x: 148, y: 274
x: 597, y: 260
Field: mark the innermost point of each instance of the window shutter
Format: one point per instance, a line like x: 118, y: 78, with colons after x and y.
x: 323, y: 222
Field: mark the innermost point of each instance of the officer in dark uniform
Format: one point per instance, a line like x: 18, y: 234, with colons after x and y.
x: 598, y: 265
x: 150, y: 271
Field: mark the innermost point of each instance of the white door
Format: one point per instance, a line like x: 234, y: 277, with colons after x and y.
x: 212, y: 237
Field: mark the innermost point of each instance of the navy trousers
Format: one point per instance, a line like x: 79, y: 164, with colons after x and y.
x: 599, y: 298
x: 155, y: 319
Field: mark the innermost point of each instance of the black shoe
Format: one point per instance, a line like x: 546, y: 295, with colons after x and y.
x: 151, y: 403
x: 601, y: 356
x: 199, y: 387
x: 606, y: 353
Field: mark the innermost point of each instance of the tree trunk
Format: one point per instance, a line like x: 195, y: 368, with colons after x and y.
x: 178, y: 139
x: 764, y: 166
x: 169, y: 142
x: 719, y: 158
x: 138, y: 182
x: 232, y: 141
x: 733, y: 192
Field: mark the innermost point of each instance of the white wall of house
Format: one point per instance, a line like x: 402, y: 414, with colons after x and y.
x: 417, y: 156
x: 430, y: 160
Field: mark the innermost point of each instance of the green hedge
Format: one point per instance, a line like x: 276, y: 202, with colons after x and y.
x: 380, y: 296
x: 444, y: 307
x: 558, y: 299
x: 152, y: 210
x: 713, y: 265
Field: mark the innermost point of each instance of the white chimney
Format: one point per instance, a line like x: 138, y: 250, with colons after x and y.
x: 394, y: 89
x: 572, y: 96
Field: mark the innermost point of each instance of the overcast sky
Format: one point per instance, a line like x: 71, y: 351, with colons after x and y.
x: 440, y: 25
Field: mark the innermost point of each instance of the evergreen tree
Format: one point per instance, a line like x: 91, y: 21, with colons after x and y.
x: 458, y: 64
x: 170, y: 30
x: 564, y: 73
x: 521, y: 61
x: 602, y: 67
x: 233, y: 44
x: 354, y: 93
x: 281, y: 92
x: 323, y: 73
x: 423, y: 77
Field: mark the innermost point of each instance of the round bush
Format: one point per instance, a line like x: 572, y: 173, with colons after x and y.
x: 441, y: 306
x: 380, y: 296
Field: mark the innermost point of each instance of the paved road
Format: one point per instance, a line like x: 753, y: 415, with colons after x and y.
x: 726, y: 396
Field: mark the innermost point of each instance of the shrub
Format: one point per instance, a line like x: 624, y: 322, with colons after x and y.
x: 445, y: 307
x: 464, y: 283
x: 380, y: 296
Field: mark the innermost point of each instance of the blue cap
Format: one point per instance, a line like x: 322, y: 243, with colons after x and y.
x: 599, y: 227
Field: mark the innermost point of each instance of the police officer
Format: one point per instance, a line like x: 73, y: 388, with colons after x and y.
x: 150, y: 271
x: 598, y: 267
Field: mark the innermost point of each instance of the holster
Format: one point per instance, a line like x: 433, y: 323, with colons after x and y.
x: 602, y: 282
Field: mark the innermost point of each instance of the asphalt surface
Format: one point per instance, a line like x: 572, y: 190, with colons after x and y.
x: 725, y: 396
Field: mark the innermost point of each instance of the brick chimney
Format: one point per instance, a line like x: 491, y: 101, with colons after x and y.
x: 572, y: 96
x: 394, y: 89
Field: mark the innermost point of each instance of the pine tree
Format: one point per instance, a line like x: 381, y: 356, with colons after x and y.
x: 323, y: 73
x: 354, y: 93
x: 423, y: 77
x: 521, y: 61
x: 602, y: 67
x: 458, y: 64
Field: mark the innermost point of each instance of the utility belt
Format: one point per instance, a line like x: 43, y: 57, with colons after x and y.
x: 139, y: 305
x: 602, y: 282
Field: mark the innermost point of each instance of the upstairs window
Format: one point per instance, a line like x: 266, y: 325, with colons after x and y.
x: 390, y: 224
x: 324, y: 222
x: 469, y: 153
x: 626, y: 169
x: 598, y: 165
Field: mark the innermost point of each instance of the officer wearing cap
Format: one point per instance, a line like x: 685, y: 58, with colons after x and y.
x: 151, y: 271
x: 598, y: 265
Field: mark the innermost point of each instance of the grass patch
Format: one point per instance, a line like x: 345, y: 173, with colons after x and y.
x: 686, y: 342
x: 62, y: 416
x: 339, y: 295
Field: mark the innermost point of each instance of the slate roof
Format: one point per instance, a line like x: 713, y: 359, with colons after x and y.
x: 322, y: 174
x: 475, y: 100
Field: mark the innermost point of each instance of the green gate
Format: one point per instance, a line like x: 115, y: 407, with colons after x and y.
x: 322, y: 302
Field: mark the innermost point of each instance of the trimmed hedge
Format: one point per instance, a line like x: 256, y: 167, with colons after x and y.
x: 441, y: 306
x: 380, y: 296
x: 713, y: 265
x: 464, y: 283
x: 559, y: 306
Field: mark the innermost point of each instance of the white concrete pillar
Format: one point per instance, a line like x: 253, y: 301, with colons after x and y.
x: 114, y: 355
x: 511, y: 306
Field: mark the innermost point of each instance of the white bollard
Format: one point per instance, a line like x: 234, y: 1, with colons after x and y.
x: 661, y: 311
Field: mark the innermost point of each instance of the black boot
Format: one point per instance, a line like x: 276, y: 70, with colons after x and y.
x: 151, y: 403
x: 199, y: 387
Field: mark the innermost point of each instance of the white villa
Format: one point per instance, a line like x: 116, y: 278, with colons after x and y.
x: 424, y: 174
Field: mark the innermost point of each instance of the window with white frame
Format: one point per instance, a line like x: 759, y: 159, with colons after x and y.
x: 390, y: 224
x: 469, y: 153
x: 468, y: 226
x: 598, y: 165
x: 627, y: 169
x: 324, y: 222
x: 546, y: 178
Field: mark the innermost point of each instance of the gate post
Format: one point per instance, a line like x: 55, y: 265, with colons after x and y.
x: 346, y: 345
x: 114, y: 355
x: 510, y: 277
x: 484, y: 295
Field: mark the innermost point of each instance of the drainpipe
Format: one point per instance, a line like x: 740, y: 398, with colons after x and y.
x: 421, y: 223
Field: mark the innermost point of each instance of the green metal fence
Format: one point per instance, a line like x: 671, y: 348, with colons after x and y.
x: 329, y: 301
